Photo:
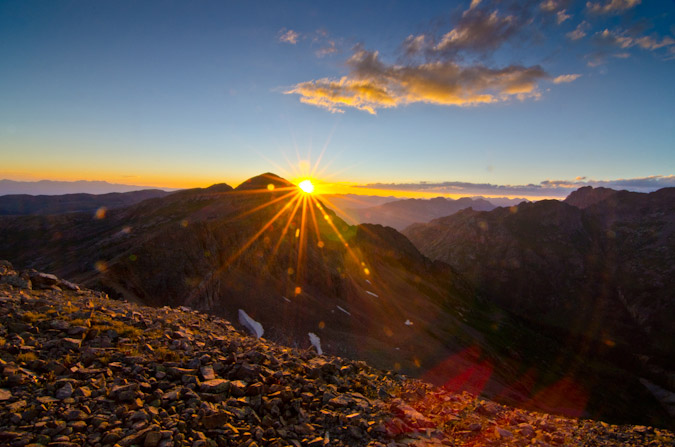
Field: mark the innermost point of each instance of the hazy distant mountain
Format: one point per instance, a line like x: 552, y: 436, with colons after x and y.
x: 401, y: 213
x: 349, y: 201
x: 26, y: 204
x: 51, y: 187
x: 502, y: 201
x: 365, y: 291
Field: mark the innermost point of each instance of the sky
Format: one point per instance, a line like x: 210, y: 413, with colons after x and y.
x: 512, y: 98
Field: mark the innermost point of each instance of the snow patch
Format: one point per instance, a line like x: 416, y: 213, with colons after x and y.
x: 287, y: 300
x: 408, y: 323
x: 316, y: 342
x: 344, y: 310
x: 368, y: 281
x: 371, y: 293
x: 249, y: 323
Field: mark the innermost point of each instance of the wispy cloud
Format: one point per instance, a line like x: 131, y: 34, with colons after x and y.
x: 328, y: 48
x: 289, y: 36
x: 611, y: 6
x: 554, y: 5
x: 546, y: 188
x: 562, y: 79
x: 609, y: 41
x: 373, y: 84
x: 579, y: 32
x: 477, y: 31
x: 561, y: 16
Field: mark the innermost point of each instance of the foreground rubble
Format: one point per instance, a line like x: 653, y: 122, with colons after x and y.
x: 80, y: 369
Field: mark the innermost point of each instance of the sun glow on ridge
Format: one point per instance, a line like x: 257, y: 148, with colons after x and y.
x: 307, y: 186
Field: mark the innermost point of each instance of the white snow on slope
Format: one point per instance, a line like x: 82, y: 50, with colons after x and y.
x: 287, y: 300
x: 371, y: 293
x: 408, y: 323
x: 249, y: 323
x: 344, y: 310
x: 316, y: 342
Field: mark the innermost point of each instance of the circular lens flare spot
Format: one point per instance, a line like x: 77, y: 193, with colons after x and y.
x: 307, y: 186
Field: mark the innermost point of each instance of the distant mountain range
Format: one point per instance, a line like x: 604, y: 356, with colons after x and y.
x: 52, y: 187
x: 365, y: 291
x: 400, y: 214
x: 22, y: 204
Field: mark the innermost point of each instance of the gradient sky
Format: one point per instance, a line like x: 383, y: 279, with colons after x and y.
x: 180, y: 94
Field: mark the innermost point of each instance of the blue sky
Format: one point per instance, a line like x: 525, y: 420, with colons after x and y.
x: 190, y: 93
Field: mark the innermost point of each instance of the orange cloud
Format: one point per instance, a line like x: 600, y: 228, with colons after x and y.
x: 566, y: 78
x: 372, y: 85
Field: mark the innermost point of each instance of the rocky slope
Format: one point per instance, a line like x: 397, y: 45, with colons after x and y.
x: 80, y: 369
x: 400, y: 214
x: 365, y: 292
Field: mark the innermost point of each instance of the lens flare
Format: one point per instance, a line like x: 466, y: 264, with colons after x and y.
x: 307, y: 186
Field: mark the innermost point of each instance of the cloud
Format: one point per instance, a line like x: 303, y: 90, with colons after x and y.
x: 579, y: 32
x: 554, y: 5
x: 546, y: 188
x: 600, y: 57
x: 289, y: 36
x: 330, y: 48
x: 608, y: 41
x: 611, y: 6
x: 561, y: 16
x: 373, y: 84
x: 478, y: 31
x: 562, y: 79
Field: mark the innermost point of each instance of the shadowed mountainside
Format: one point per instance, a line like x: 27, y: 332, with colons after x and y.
x: 23, y: 204
x: 603, y: 274
x: 296, y: 268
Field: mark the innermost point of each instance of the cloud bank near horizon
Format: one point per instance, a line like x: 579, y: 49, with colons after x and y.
x: 546, y: 188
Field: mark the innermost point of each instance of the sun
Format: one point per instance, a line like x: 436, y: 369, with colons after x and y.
x: 307, y: 186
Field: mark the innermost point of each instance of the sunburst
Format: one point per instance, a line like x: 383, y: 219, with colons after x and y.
x: 307, y: 186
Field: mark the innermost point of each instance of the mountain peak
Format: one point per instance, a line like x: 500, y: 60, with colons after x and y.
x: 261, y: 181
x: 587, y: 196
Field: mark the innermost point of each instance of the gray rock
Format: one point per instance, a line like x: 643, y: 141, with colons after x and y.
x: 65, y: 391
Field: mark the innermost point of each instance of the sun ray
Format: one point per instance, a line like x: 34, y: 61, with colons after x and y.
x: 302, y: 242
x: 316, y: 225
x: 253, y: 238
x: 265, y: 205
x: 297, y: 202
x: 329, y: 220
